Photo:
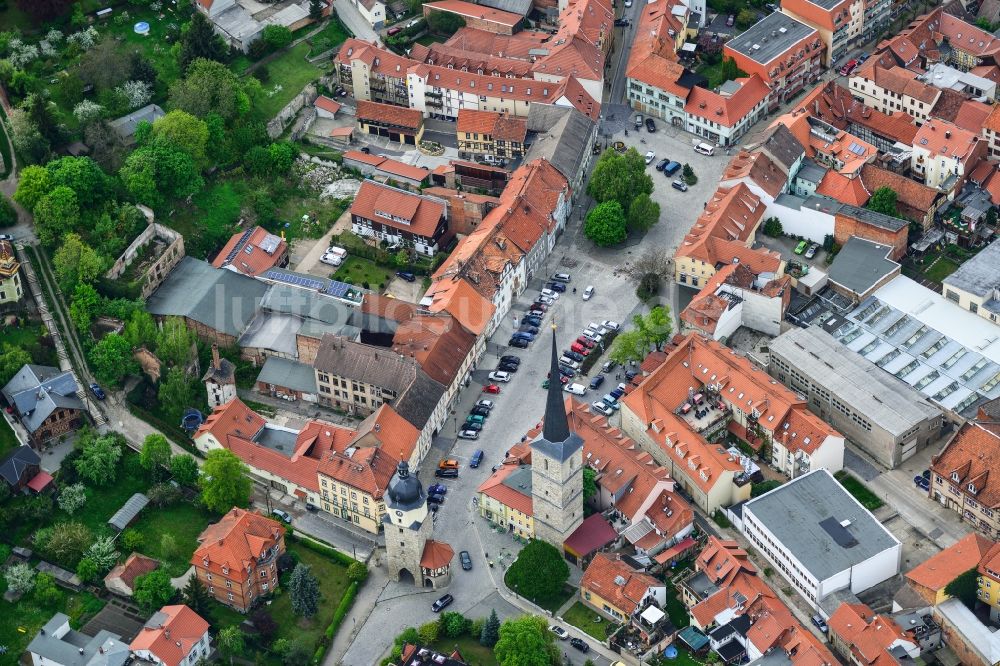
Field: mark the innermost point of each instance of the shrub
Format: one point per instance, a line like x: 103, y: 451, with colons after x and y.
x: 345, y: 605
x: 357, y: 572
x: 429, y: 632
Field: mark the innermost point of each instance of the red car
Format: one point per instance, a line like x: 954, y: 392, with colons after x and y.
x: 848, y: 68
x: 579, y: 349
x: 589, y: 344
x: 491, y: 388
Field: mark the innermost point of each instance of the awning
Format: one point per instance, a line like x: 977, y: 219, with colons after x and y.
x: 40, y: 482
x: 652, y: 615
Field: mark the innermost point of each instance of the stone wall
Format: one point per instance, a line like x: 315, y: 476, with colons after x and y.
x: 158, y: 271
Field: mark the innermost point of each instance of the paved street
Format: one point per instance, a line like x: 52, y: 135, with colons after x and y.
x: 355, y: 22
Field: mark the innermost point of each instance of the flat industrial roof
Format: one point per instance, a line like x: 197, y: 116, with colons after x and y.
x: 815, y: 519
x: 770, y: 37
x: 860, y: 384
x: 980, y: 275
x: 862, y: 264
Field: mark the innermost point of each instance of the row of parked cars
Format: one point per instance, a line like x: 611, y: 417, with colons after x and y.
x: 476, y: 419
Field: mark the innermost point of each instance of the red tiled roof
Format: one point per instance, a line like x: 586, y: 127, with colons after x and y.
x: 436, y: 555
x: 958, y: 143
x: 327, y: 104
x: 593, y: 533
x: 495, y: 488
x: 571, y: 91
x: 237, y: 541
x: 398, y: 116
x: 974, y: 455
x: 868, y: 636
x: 913, y: 199
x: 937, y: 571
x: 972, y: 115
x: 843, y: 189
x: 730, y: 110
x: 501, y: 126
x: 758, y: 168
x: 134, y: 566
x: 601, y: 578
x: 462, y: 301
x: 173, y: 637
x: 369, y: 470
x: 373, y: 199
x: 386, y: 429
x: 732, y: 214
x: 477, y: 12
x: 248, y: 254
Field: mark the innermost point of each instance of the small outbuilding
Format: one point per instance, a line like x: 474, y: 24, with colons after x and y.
x: 126, y: 515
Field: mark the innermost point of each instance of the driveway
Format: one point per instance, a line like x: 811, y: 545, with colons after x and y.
x: 306, y: 252
x: 355, y: 22
x: 411, y: 292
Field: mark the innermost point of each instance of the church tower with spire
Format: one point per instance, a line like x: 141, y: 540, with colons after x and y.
x: 556, y: 467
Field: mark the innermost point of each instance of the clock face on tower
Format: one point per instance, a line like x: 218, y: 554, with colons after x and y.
x: 399, y: 513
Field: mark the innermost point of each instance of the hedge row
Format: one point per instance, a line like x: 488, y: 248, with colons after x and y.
x: 596, y: 352
x: 345, y: 604
x: 325, y: 550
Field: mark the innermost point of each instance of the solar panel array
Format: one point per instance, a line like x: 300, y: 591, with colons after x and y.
x: 236, y: 248
x: 295, y: 279
x: 337, y: 289
x: 856, y: 149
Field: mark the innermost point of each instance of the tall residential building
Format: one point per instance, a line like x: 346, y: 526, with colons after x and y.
x: 556, y: 468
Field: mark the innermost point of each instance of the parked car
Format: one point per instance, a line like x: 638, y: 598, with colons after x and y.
x: 540, y: 306
x: 572, y: 355
x: 466, y: 560
x: 548, y: 293
x: 617, y: 393
x: 579, y: 349
x: 601, y: 408
x: 507, y: 367
x: 811, y: 252
x: 544, y: 300
x: 446, y: 473
x: 611, y: 402
x: 580, y: 644
x: 849, y: 67
x: 406, y: 275
x: 528, y: 328
x: 500, y: 376
x: 520, y: 343
x: 589, y: 344
x: 575, y: 389
x: 394, y: 31
x: 435, y: 499
x: 442, y: 603
x: 437, y: 489
x: 731, y: 20
x: 97, y: 391
x: 650, y: 156
x: 477, y: 458
x: 534, y: 320
x: 506, y: 358
x: 622, y: 22
x: 801, y: 247
x: 596, y: 381
x: 610, y: 325
x: 559, y: 631
x: 562, y: 380
x: 631, y: 374
x: 562, y: 277
x: 555, y: 286
x: 592, y: 336
x: 662, y: 164
x: 566, y: 371
x: 820, y: 623
x: 672, y: 168
x: 638, y: 121
x: 447, y: 463
x: 331, y: 259
x: 473, y: 418
x: 283, y: 515
x: 569, y: 362
x: 588, y: 293
x: 679, y: 185
x: 475, y: 426
x: 491, y: 388
x: 523, y: 335
x: 480, y: 411
x: 650, y: 125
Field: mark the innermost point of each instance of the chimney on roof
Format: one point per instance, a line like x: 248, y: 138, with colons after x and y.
x: 216, y: 362
x: 947, y: 134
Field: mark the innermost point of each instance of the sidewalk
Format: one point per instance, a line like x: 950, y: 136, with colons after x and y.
x: 364, y: 604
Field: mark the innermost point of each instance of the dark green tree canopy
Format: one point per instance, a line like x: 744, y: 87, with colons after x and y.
x: 605, y: 224
x: 619, y: 177
x: 539, y: 572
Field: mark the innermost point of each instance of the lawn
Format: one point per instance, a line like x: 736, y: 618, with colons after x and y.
x: 210, y: 218
x: 184, y: 521
x: 29, y: 337
x: 332, y: 582
x: 289, y: 74
x: 330, y: 36
x: 868, y: 499
x: 588, y: 620
x: 363, y: 272
x: 714, y: 74
x: 155, y: 45
x: 676, y: 609
x: 940, y: 269
x: 20, y: 622
x: 102, y: 503
x: 8, y: 442
x: 474, y: 653
x: 322, y: 214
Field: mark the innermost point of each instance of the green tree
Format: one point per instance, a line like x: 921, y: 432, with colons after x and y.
x: 46, y: 593
x: 141, y: 331
x: 304, y: 591
x: 76, y: 262
x: 655, y: 327
x: 525, y: 641
x: 12, y: 359
x: 230, y: 642
x: 454, y: 625
x: 619, y: 177
x: 210, y: 87
x: 112, y: 359
x: 643, y: 213
x: 357, y: 572
x: 199, y: 40
x: 72, y: 498
x: 316, y: 9
x: 965, y: 587
x: 491, y: 630
x: 168, y: 546
x: 539, y: 572
x: 175, y: 343
x: 429, y: 632
x: 184, y: 469
x: 132, y: 540
x: 8, y: 214
x: 20, y: 578
x: 744, y: 19
x: 155, y: 454
x: 276, y: 36
x: 196, y: 596
x: 224, y: 482
x: 282, y: 155
x: 82, y: 175
x: 176, y: 392
x: 605, y: 224
x: 296, y: 653
x: 628, y: 346
x: 103, y: 553
x: 56, y: 214
x: 179, y: 129
x: 84, y: 306
x: 67, y: 543
x: 157, y: 172
x: 589, y: 483
x: 772, y: 227
x: 152, y: 591
x: 445, y: 24
x: 87, y: 570
x: 33, y: 183
x: 758, y: 489
x: 98, y: 459
x: 688, y: 173
x: 883, y: 200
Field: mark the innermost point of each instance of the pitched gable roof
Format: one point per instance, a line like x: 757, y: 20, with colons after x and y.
x: 617, y: 583
x: 236, y: 541
x: 937, y: 571
x: 170, y: 634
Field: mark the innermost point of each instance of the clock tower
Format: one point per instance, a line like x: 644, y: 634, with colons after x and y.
x: 411, y: 553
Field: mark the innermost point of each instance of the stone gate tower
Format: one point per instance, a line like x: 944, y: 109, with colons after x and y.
x: 556, y: 468
x: 408, y: 529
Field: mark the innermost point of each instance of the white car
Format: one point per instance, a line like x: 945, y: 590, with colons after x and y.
x: 588, y: 292
x: 650, y: 156
x: 331, y: 259
x: 575, y: 389
x: 568, y: 362
x: 468, y: 434
x: 592, y: 336
x: 601, y: 408
x: 559, y: 631
x: 548, y: 293
x: 500, y: 376
x: 611, y: 325
x: 488, y: 404
x: 547, y: 300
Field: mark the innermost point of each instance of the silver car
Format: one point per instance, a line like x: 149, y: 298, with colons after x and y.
x: 601, y: 408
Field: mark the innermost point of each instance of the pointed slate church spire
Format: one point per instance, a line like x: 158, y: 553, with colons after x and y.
x: 556, y: 425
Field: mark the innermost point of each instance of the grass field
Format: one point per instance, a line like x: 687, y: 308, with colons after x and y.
x: 330, y: 36
x: 184, y: 521
x: 289, y: 74
x: 21, y: 621
x: 676, y: 609
x: 29, y: 338
x: 474, y: 653
x: 868, y: 499
x: 332, y: 583
x: 587, y: 620
x: 7, y: 440
x: 940, y: 269
x: 363, y: 272
x: 210, y: 219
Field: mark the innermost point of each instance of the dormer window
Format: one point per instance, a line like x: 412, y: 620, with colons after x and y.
x: 954, y: 477
x: 972, y: 488
x: 225, y: 571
